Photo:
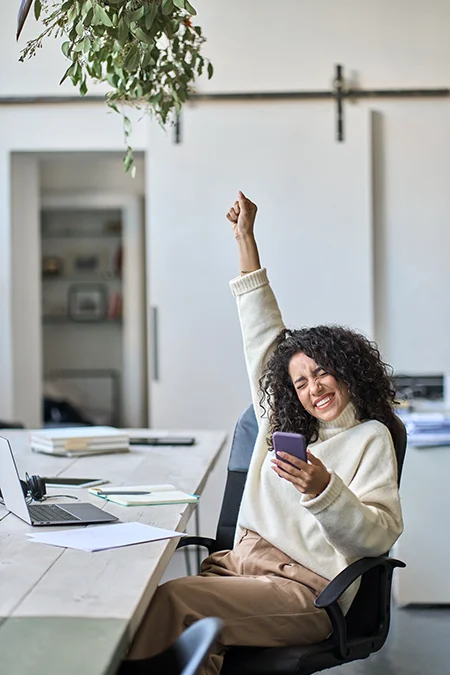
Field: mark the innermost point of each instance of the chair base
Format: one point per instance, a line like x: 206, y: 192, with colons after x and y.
x: 282, y: 660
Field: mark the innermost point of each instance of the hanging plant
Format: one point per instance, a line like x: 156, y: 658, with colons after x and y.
x: 147, y: 50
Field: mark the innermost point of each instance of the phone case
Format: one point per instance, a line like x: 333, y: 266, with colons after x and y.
x: 293, y: 444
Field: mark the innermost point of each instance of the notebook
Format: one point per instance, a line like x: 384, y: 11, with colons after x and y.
x: 79, y: 441
x: 128, y: 495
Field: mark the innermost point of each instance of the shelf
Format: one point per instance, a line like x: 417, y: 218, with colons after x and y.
x: 79, y: 279
x: 67, y: 320
x: 81, y: 235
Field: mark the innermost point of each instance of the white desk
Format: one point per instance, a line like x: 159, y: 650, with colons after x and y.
x: 68, y: 612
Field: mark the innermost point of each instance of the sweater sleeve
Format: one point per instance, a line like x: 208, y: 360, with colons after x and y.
x: 364, y: 518
x: 261, y: 321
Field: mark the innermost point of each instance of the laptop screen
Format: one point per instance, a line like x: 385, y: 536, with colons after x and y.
x: 10, y: 483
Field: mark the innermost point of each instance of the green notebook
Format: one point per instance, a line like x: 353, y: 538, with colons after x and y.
x: 131, y: 495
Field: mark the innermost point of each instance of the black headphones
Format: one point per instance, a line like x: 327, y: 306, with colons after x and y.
x: 32, y: 487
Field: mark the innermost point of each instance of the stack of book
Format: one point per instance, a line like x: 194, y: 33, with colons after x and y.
x: 79, y: 441
x: 427, y: 429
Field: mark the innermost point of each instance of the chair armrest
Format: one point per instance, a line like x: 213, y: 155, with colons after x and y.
x: 344, y: 579
x: 328, y: 600
x: 207, y: 542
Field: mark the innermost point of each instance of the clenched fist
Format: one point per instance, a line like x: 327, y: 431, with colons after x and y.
x: 242, y: 216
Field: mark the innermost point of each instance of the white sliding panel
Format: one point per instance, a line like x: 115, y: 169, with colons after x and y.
x: 314, y: 229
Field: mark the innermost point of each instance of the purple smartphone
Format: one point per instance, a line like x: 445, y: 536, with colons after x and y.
x: 293, y: 444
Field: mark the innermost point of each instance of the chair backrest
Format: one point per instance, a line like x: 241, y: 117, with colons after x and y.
x: 193, y: 646
x: 242, y: 445
x: 359, y: 620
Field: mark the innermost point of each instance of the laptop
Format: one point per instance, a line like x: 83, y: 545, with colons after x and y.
x: 42, y: 514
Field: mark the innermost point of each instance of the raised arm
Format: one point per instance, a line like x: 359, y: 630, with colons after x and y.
x: 259, y: 314
x: 242, y: 217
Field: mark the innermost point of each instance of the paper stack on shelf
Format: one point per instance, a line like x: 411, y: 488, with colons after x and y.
x: 79, y: 441
x: 427, y: 429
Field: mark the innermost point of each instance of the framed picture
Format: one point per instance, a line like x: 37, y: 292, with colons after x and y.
x: 87, y: 302
x: 89, y: 262
x: 86, y: 262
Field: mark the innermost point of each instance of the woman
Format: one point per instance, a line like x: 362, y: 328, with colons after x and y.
x: 301, y: 523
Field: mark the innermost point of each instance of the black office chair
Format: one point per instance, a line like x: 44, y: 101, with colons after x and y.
x: 184, y: 657
x: 355, y: 636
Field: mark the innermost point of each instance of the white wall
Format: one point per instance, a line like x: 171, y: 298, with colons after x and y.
x: 26, y: 298
x: 381, y: 44
x: 294, y: 44
x: 93, y: 171
x: 43, y: 129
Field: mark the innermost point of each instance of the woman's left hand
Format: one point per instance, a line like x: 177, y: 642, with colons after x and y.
x: 309, y: 478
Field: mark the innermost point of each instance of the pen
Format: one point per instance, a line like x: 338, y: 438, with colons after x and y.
x: 123, y: 492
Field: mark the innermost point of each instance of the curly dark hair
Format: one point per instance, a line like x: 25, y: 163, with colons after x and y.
x: 353, y: 360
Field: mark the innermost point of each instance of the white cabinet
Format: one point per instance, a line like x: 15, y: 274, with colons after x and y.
x: 314, y: 228
x: 425, y: 543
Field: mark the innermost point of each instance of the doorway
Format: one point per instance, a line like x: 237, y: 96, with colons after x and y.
x: 90, y: 268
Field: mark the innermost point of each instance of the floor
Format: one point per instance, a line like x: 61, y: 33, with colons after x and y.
x: 418, y: 642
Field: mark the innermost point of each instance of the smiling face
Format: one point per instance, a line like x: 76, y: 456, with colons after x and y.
x: 321, y: 395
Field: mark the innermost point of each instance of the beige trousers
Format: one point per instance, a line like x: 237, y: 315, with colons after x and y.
x: 264, y: 598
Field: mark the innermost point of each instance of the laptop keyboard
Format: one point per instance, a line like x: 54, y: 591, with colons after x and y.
x: 50, y: 512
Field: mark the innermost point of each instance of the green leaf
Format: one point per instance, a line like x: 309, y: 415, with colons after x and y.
x: 67, y: 5
x: 132, y: 58
x: 83, y: 87
x: 88, y: 18
x: 37, y: 9
x: 136, y: 15
x: 210, y: 70
x: 142, y: 36
x: 188, y: 7
x: 147, y: 59
x: 151, y: 15
x: 167, y: 7
x: 69, y: 72
x: 65, y: 48
x: 77, y: 73
x: 101, y: 16
x: 72, y: 13
x: 128, y: 159
x: 86, y: 44
x: 79, y: 29
x: 179, y: 4
x: 126, y: 125
x: 122, y: 32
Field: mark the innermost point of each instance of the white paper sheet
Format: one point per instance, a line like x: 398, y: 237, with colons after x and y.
x: 101, y: 537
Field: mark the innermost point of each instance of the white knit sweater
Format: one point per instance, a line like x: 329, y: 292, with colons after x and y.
x: 359, y: 513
